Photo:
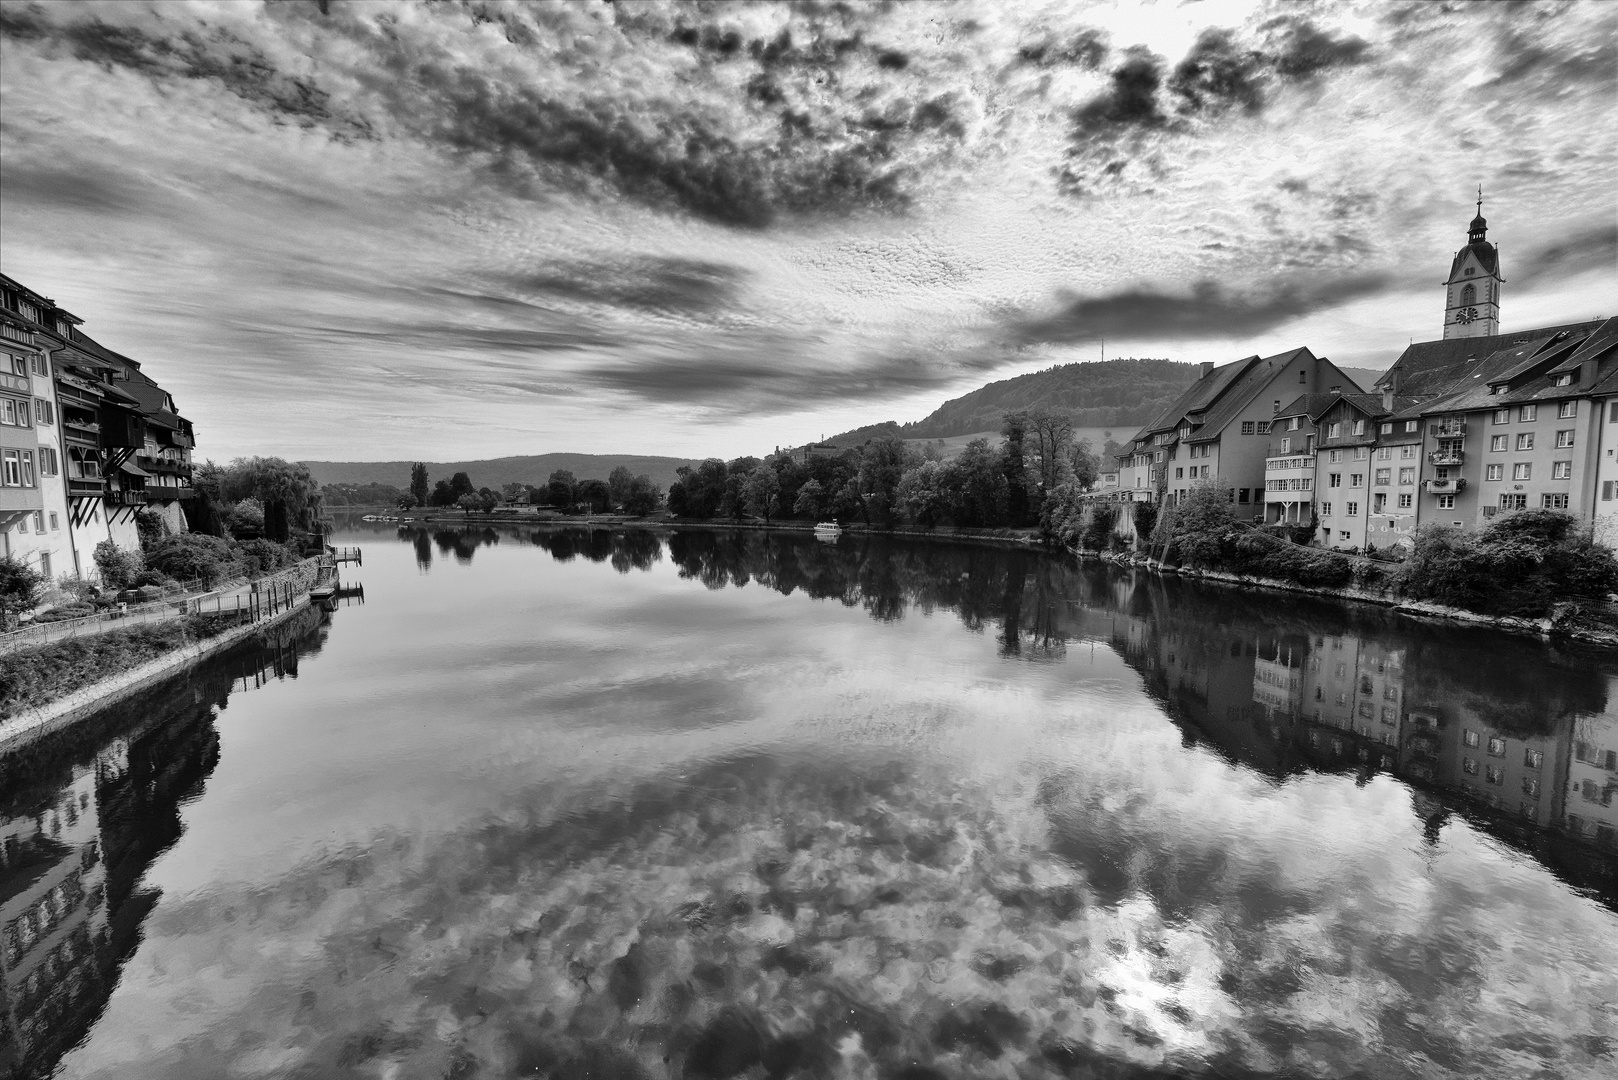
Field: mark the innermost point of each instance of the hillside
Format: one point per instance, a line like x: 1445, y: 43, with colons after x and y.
x: 493, y: 472
x: 1117, y: 394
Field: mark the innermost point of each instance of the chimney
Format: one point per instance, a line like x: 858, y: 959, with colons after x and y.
x: 1387, y: 399
x: 1207, y: 368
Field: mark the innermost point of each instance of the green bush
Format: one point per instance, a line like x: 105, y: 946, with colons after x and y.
x: 118, y: 567
x: 1098, y: 526
x: 264, y: 556
x: 63, y: 612
x: 1521, y: 565
x: 192, y: 555
x: 33, y: 677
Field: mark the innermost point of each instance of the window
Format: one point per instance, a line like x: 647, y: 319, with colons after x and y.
x: 1554, y: 502
x: 1263, y: 427
x: 28, y: 468
x: 1613, y: 410
x: 1564, y: 439
x: 1407, y: 452
x: 1286, y: 446
x: 1179, y: 474
x: 1325, y: 509
x: 1530, y: 786
x: 1446, y: 502
x: 1336, y: 456
x: 1343, y: 535
x: 1410, y: 425
x: 54, y: 523
x: 1384, y: 453
x: 1469, y: 766
x: 1494, y: 774
x: 39, y: 521
x: 1527, y: 413
x: 1379, y: 503
x: 1334, y: 429
x: 1561, y: 470
x: 1494, y: 472
x: 10, y: 469
x: 9, y: 409
x: 1497, y: 746
x: 1498, y: 443
x: 1522, y: 470
x: 1359, y: 427
x: 1469, y: 294
x: 1404, y: 500
x: 1353, y: 509
x: 1334, y: 479
x: 44, y: 412
x: 1384, y: 477
x: 1525, y: 440
x: 1513, y: 502
x: 1356, y: 479
x: 1242, y: 494
x: 1567, y: 409
x: 1362, y: 453
x: 1502, y: 416
x: 1606, y: 491
x: 45, y: 568
x: 1532, y: 759
x: 1470, y: 738
x: 49, y: 464
x: 1247, y: 427
x: 1303, y: 376
x: 41, y: 366
x: 1407, y: 476
x: 1385, y: 429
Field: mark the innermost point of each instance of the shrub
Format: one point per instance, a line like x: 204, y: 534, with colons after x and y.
x: 1522, y: 565
x: 118, y: 567
x: 192, y: 555
x: 264, y: 556
x: 1098, y: 526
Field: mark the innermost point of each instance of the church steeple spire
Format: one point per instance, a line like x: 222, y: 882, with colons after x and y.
x: 1472, y: 293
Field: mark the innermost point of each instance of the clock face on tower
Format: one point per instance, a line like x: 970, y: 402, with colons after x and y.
x: 1466, y: 315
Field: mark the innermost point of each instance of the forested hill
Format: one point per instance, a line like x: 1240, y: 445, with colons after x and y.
x: 494, y: 472
x: 1121, y: 394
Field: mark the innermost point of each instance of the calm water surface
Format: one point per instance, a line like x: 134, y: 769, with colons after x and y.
x: 623, y: 804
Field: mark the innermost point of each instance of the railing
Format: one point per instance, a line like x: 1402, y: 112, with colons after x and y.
x: 1277, y: 464
x: 125, y: 497
x: 89, y: 432
x: 1446, y: 457
x: 85, y: 485
x: 17, y: 333
x: 1443, y: 487
x: 1449, y: 429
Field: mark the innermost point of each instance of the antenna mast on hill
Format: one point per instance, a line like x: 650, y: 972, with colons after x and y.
x: 1103, y: 350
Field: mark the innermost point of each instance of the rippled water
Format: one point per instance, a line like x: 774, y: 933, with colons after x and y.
x: 622, y: 804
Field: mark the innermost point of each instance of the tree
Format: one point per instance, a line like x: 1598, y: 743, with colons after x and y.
x: 469, y: 503
x: 1053, y: 436
x: 1086, y: 466
x: 763, y: 491
x: 119, y: 568
x: 980, y: 493
x: 461, y: 484
x: 642, y: 498
x: 418, y: 483
x: 287, y: 491
x: 811, y: 497
x: 1014, y: 465
x: 559, y: 489
x: 619, y: 482
x: 441, y: 495
x: 20, y: 588
x: 595, y: 494
x: 190, y: 556
x: 882, y: 465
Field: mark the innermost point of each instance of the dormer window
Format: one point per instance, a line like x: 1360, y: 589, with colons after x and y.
x: 1564, y: 379
x: 1385, y: 429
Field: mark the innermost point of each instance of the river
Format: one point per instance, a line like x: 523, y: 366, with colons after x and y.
x: 618, y: 803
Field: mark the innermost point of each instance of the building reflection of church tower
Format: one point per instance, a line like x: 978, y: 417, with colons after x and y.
x: 1472, y: 293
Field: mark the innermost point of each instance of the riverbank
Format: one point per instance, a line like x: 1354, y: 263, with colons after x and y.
x: 28, y: 725
x: 1548, y: 627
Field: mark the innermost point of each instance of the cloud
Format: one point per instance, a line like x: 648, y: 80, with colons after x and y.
x: 1208, y: 310
x: 1591, y: 248
x: 667, y: 285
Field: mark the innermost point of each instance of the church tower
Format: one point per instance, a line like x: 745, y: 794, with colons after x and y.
x: 1472, y: 294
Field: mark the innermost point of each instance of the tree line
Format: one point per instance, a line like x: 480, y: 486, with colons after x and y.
x: 622, y: 490
x: 888, y: 481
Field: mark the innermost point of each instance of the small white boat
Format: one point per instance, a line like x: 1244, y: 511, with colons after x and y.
x: 370, y: 517
x: 828, y: 528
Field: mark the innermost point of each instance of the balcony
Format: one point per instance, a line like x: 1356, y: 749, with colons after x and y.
x: 16, y: 333
x: 84, y: 432
x: 1446, y: 457
x: 125, y: 497
x: 155, y: 464
x: 1291, y: 463
x: 1448, y: 429
x: 1443, y: 487
x: 79, y: 487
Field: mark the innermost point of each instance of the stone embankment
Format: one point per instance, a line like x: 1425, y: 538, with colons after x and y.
x: 26, y: 726
x: 1419, y: 608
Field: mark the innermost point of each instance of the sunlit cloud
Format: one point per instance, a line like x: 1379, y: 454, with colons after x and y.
x: 484, y: 228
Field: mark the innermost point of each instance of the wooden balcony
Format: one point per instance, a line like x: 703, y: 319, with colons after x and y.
x: 1443, y: 487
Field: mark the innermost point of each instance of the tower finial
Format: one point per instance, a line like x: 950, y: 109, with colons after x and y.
x: 1480, y: 199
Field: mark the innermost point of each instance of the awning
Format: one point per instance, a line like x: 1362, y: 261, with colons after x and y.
x: 133, y: 470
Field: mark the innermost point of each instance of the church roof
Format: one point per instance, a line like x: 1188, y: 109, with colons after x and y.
x: 1431, y: 367
x: 1488, y: 256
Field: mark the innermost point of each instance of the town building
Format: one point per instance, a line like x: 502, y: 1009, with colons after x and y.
x: 1218, y: 430
x: 1472, y: 293
x: 91, y: 441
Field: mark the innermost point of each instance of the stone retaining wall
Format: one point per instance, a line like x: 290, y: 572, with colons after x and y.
x: 25, y: 727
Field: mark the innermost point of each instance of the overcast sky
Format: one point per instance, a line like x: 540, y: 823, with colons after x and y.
x: 455, y: 230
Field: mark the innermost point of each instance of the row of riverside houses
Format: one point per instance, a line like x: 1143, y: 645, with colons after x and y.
x: 87, y: 439
x: 1456, y: 431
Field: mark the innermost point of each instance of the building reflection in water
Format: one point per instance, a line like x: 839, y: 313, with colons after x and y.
x: 82, y: 815
x: 1517, y: 736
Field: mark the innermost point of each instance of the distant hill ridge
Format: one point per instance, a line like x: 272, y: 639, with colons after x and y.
x: 494, y: 472
x: 1121, y: 394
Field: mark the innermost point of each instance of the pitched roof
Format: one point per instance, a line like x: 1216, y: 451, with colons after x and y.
x: 1314, y: 406
x: 1255, y: 376
x: 1196, y: 397
x: 1423, y: 357
x: 1488, y: 255
x: 1531, y: 367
